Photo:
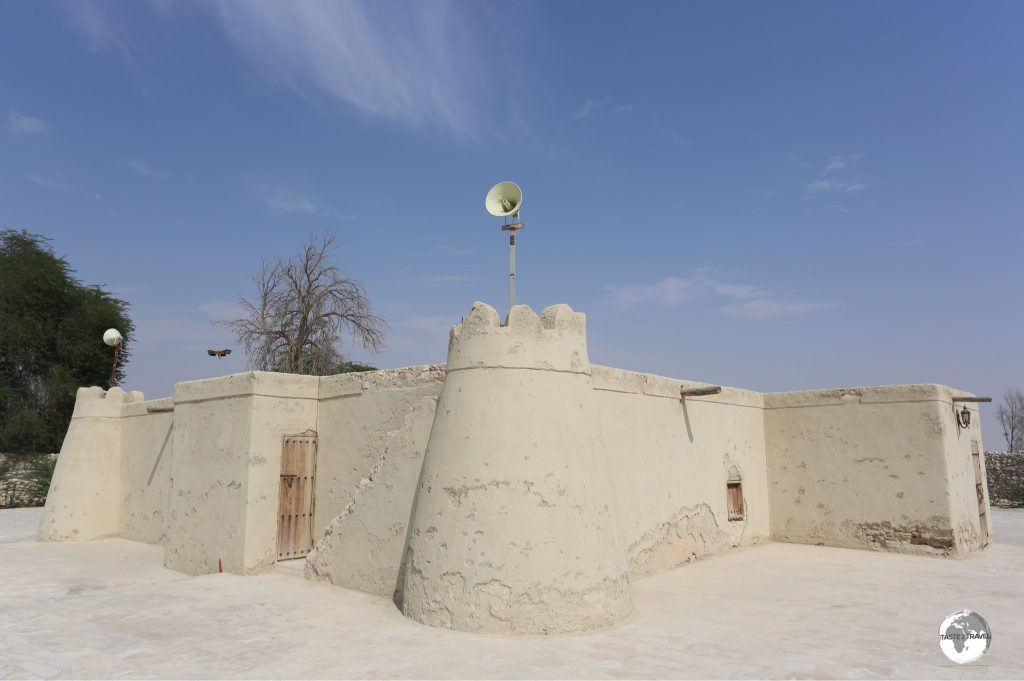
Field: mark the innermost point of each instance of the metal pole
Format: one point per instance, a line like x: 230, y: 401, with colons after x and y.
x: 113, y: 367
x: 511, y: 269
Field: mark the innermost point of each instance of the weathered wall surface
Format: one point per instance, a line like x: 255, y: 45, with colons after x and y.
x: 207, y: 478
x: 961, y: 478
x: 1005, y: 475
x: 864, y: 468
x: 513, y: 527
x: 517, y: 488
x: 373, y: 432
x: 146, y: 451
x: 83, y: 502
x: 225, y: 475
x: 284, y: 405
x: 670, y: 460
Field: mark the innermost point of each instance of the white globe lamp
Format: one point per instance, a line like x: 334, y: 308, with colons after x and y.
x: 112, y: 337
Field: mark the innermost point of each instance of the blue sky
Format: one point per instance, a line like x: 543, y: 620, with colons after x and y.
x: 775, y: 196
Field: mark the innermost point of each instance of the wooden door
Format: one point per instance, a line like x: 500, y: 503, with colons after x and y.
x: 296, y: 499
x: 979, y: 484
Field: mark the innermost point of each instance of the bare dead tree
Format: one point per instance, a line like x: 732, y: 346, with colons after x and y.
x: 1011, y: 418
x: 303, y: 309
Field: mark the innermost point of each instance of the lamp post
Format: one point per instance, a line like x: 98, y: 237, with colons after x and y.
x: 113, y: 338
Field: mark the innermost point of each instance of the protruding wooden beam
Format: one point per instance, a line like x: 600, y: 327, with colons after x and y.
x: 697, y: 392
x: 972, y: 399
x: 158, y: 410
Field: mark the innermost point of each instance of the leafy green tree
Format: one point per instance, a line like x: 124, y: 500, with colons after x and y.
x: 347, y: 367
x: 51, y: 343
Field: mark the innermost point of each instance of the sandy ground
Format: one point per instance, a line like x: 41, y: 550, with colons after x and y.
x: 108, y: 609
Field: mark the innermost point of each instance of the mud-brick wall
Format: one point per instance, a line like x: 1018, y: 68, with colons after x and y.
x: 1005, y: 478
x: 374, y: 429
x: 875, y: 468
x: 670, y: 461
x: 147, y: 445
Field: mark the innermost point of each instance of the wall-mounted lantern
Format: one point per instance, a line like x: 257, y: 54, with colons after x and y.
x: 964, y: 417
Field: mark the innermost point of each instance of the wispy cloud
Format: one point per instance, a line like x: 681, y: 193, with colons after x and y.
x: 21, y: 124
x: 139, y: 167
x: 422, y: 65
x: 752, y: 302
x: 52, y: 184
x: 832, y: 181
x: 411, y: 65
x: 588, y: 107
x: 592, y: 107
x: 292, y: 204
x: 769, y: 308
x: 284, y: 201
x: 669, y: 291
x: 836, y: 163
x: 830, y: 185
x: 47, y: 182
x: 100, y: 30
x: 679, y: 140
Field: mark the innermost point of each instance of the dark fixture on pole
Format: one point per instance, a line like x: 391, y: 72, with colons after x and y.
x: 963, y: 417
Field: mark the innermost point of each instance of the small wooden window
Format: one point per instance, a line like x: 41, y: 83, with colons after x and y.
x: 734, y: 493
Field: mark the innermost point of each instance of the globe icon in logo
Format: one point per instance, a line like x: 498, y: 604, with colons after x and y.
x: 964, y: 636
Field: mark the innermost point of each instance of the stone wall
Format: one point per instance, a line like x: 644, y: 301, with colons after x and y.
x: 25, y: 479
x: 1005, y: 478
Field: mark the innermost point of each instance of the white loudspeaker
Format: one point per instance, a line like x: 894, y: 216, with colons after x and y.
x: 505, y: 198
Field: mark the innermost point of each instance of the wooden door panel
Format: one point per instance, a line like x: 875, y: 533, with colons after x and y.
x: 979, y: 486
x: 296, y: 496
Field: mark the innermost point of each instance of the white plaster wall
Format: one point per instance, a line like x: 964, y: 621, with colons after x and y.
x: 274, y: 417
x: 84, y: 497
x: 670, y: 460
x: 513, y: 527
x: 883, y: 467
x: 146, y: 452
x: 226, y: 470
x: 861, y: 467
x: 207, y: 483
x: 963, y: 497
x: 373, y: 433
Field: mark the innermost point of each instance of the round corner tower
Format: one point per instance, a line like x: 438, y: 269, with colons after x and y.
x: 513, y: 527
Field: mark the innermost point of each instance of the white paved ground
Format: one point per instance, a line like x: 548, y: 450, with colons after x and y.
x: 108, y: 609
